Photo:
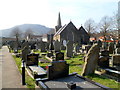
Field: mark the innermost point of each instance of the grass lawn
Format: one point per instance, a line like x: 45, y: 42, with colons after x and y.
x: 104, y: 81
x: 29, y: 81
x: 75, y: 65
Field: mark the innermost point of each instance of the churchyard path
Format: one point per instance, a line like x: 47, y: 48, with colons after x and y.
x: 10, y: 77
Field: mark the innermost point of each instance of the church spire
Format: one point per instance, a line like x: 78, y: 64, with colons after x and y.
x: 59, y: 21
x: 59, y: 25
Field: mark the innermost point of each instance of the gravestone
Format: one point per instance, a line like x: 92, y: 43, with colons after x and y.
x: 118, y: 44
x: 105, y: 45
x: 59, y: 56
x: 111, y: 48
x: 63, y: 47
x: 69, y: 50
x: 51, y: 46
x: 25, y: 50
x: 33, y: 46
x: 50, y: 54
x: 99, y: 43
x: 91, y: 60
x: 58, y: 69
x: 117, y: 51
x: 57, y: 46
x: 103, y: 61
x: 32, y: 59
x: 15, y: 50
x: 76, y: 48
x: 105, y: 53
x: 116, y: 60
x: 42, y: 47
x: 85, y: 48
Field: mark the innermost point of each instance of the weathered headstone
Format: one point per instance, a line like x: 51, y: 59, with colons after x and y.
x: 59, y: 56
x: 76, y: 48
x: 63, y: 47
x: 111, y: 48
x: 25, y: 50
x: 57, y: 46
x: 69, y: 50
x: 105, y: 45
x: 91, y: 60
x: 58, y: 69
x: 32, y: 59
x: 42, y: 47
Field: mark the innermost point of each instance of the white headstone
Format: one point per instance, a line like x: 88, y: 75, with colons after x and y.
x: 64, y: 42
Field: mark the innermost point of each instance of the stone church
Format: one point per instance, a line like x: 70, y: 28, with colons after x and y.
x: 69, y: 32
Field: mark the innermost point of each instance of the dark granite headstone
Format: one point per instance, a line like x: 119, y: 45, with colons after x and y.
x: 118, y: 45
x: 116, y: 60
x: 99, y: 43
x: 103, y: 62
x: 111, y: 48
x: 104, y: 53
x: 49, y: 54
x: 32, y: 59
x: 117, y: 51
x: 25, y: 50
x: 33, y: 46
x: 59, y: 56
x: 58, y: 69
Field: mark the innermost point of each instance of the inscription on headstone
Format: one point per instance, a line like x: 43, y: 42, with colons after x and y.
x: 58, y: 69
x: 32, y: 59
x: 59, y: 56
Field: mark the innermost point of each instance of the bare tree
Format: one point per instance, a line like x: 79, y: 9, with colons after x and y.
x: 17, y: 34
x: 90, y: 26
x: 105, y: 26
x: 28, y: 34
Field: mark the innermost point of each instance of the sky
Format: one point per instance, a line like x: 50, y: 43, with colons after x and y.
x: 45, y: 12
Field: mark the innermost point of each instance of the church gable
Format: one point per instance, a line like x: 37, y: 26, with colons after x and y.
x: 83, y: 31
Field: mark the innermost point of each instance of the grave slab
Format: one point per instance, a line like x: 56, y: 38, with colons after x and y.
x: 61, y: 83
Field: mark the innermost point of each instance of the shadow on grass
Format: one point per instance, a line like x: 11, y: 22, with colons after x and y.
x: 91, y: 76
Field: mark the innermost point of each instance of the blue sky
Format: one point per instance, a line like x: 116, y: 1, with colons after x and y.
x: 45, y: 12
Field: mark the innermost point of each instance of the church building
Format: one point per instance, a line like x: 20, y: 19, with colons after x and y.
x: 69, y: 32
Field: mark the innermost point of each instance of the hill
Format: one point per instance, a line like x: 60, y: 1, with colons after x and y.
x: 36, y: 29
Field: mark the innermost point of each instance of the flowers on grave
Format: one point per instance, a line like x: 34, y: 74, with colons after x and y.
x: 46, y: 67
x: 35, y: 72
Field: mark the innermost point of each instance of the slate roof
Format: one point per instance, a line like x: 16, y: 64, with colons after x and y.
x: 83, y: 30
x: 63, y: 28
x: 60, y: 30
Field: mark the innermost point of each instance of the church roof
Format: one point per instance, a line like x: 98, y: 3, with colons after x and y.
x: 81, y: 29
x: 63, y: 28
